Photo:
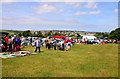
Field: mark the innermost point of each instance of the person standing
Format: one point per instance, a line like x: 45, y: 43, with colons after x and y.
x: 6, y: 40
x: 49, y: 41
x: 46, y: 43
x: 22, y: 41
x: 13, y: 41
x: 54, y: 44
x: 17, y: 44
x: 37, y: 44
x: 4, y: 44
x: 31, y: 41
x: 67, y: 46
x: 10, y: 44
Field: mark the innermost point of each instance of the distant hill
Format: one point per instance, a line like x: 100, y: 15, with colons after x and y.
x: 11, y: 31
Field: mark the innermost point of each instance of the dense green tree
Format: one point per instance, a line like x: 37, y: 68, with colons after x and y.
x: 27, y: 33
x: 101, y: 35
x: 78, y: 35
x: 39, y: 34
x: 47, y: 34
x: 115, y: 34
x: 56, y: 33
x: 20, y: 34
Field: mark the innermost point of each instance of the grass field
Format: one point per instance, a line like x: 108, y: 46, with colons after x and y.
x: 79, y: 61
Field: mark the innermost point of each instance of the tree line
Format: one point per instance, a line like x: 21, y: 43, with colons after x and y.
x: 38, y: 34
x: 114, y: 34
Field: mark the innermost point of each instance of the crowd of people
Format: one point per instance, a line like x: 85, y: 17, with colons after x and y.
x: 60, y: 44
x: 55, y: 44
x: 14, y: 43
x: 11, y: 43
x: 95, y: 41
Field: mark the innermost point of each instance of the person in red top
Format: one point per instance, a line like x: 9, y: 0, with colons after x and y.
x: 6, y: 39
x: 65, y: 41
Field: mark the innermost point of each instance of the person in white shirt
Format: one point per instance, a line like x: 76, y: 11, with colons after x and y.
x: 37, y: 44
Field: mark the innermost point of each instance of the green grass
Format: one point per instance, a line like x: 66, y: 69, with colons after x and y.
x: 79, y: 61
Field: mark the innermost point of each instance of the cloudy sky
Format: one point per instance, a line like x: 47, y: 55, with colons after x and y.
x: 80, y: 16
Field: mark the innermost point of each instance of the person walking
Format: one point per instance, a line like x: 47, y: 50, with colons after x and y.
x: 37, y: 44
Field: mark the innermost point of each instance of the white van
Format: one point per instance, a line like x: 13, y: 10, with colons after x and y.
x: 88, y: 37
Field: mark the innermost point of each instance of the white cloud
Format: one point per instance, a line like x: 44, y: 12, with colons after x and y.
x: 30, y: 21
x: 59, y: 0
x: 91, y: 5
x: 116, y: 10
x: 40, y: 23
x: 77, y: 0
x: 88, y: 13
x: 6, y: 1
x: 74, y: 4
x: 81, y: 13
x: 46, y: 8
x: 95, y: 12
x: 22, y: 21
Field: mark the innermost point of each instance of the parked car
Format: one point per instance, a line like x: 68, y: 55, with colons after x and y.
x: 91, y: 41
